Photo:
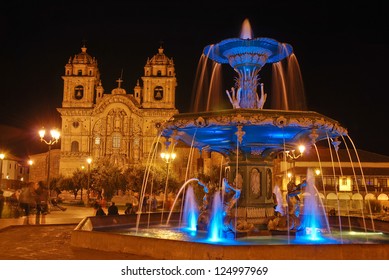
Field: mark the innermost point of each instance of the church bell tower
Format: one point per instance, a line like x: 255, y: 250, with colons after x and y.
x: 81, y: 81
x: 159, y: 82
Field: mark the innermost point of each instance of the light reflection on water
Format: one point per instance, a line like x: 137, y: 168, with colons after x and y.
x: 170, y: 233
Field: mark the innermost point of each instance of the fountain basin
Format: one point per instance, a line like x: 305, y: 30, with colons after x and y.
x: 107, y: 233
x: 266, y: 131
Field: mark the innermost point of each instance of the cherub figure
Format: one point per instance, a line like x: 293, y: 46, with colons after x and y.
x: 261, y: 101
x: 234, y: 97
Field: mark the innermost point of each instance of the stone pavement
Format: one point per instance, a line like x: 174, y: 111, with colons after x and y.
x: 48, y: 238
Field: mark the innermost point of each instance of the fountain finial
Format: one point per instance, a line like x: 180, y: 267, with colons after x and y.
x: 246, y: 32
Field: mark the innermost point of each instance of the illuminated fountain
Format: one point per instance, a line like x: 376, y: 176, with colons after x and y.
x: 250, y: 140
x: 248, y: 136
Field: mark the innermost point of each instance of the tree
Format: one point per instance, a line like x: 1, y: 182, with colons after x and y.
x: 80, y: 180
x: 68, y: 184
x: 153, y: 178
x: 107, y: 178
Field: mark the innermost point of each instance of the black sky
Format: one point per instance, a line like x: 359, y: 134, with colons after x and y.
x: 342, y: 49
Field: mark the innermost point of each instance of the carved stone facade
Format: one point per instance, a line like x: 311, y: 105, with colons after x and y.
x: 118, y: 125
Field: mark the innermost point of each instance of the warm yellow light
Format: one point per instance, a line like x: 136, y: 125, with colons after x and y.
x: 2, y: 156
x: 289, y: 175
x: 55, y: 134
x: 167, y: 157
x: 82, y: 167
x: 317, y: 171
x: 42, y: 133
x: 30, y: 162
x: 301, y: 149
x: 89, y: 160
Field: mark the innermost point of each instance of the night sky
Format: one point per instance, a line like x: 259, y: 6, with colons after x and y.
x: 342, y: 50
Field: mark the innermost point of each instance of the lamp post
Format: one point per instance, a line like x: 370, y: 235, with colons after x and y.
x: 30, y: 163
x: 168, y: 158
x: 89, y: 161
x: 2, y: 156
x: 292, y: 154
x: 55, y: 134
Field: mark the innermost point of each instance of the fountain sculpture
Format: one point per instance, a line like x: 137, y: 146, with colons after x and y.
x: 249, y: 138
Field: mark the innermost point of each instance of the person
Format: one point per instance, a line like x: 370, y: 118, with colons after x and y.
x: 113, y: 209
x: 54, y: 202
x: 37, y: 194
x: 128, y: 209
x: 100, y: 211
x: 2, y: 199
x: 153, y: 203
x: 26, y: 199
x: 144, y: 204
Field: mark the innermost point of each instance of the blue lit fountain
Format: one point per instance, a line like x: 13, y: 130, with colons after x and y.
x: 248, y: 136
x: 251, y: 140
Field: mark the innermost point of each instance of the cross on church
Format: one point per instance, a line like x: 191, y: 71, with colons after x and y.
x: 119, y: 81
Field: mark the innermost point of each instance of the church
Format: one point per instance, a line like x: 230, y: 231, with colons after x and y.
x: 120, y: 125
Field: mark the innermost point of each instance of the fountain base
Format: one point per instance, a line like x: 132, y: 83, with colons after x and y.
x: 89, y: 234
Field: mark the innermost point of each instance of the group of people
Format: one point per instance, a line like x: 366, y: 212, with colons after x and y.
x: 33, y: 197
x: 112, y: 210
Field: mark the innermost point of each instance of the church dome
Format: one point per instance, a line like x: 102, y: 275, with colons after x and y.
x: 160, y: 59
x: 83, y: 57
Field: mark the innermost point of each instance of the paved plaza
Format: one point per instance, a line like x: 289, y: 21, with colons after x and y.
x: 48, y: 238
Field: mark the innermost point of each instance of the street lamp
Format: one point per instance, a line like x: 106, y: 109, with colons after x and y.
x: 2, y: 156
x: 55, y: 134
x: 89, y: 161
x: 168, y: 158
x: 292, y: 154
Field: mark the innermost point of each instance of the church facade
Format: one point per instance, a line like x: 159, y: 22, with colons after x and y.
x: 119, y: 126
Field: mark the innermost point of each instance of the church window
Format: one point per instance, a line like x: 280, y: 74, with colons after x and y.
x: 75, y: 147
x: 79, y: 73
x: 116, y: 141
x: 159, y: 73
x: 76, y: 124
x: 158, y: 93
x: 170, y: 73
x: 67, y: 73
x: 90, y: 73
x: 97, y: 140
x: 78, y: 92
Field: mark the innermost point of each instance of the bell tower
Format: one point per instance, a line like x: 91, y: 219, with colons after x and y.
x: 159, y: 82
x: 81, y: 81
x: 82, y: 89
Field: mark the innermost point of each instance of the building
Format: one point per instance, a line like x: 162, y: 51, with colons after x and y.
x: 348, y: 175
x: 120, y: 126
x: 14, y: 171
x: 39, y: 165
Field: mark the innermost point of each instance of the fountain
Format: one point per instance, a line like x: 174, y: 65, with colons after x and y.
x: 238, y: 219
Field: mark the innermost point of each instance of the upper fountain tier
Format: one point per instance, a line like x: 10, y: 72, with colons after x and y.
x: 247, y: 55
